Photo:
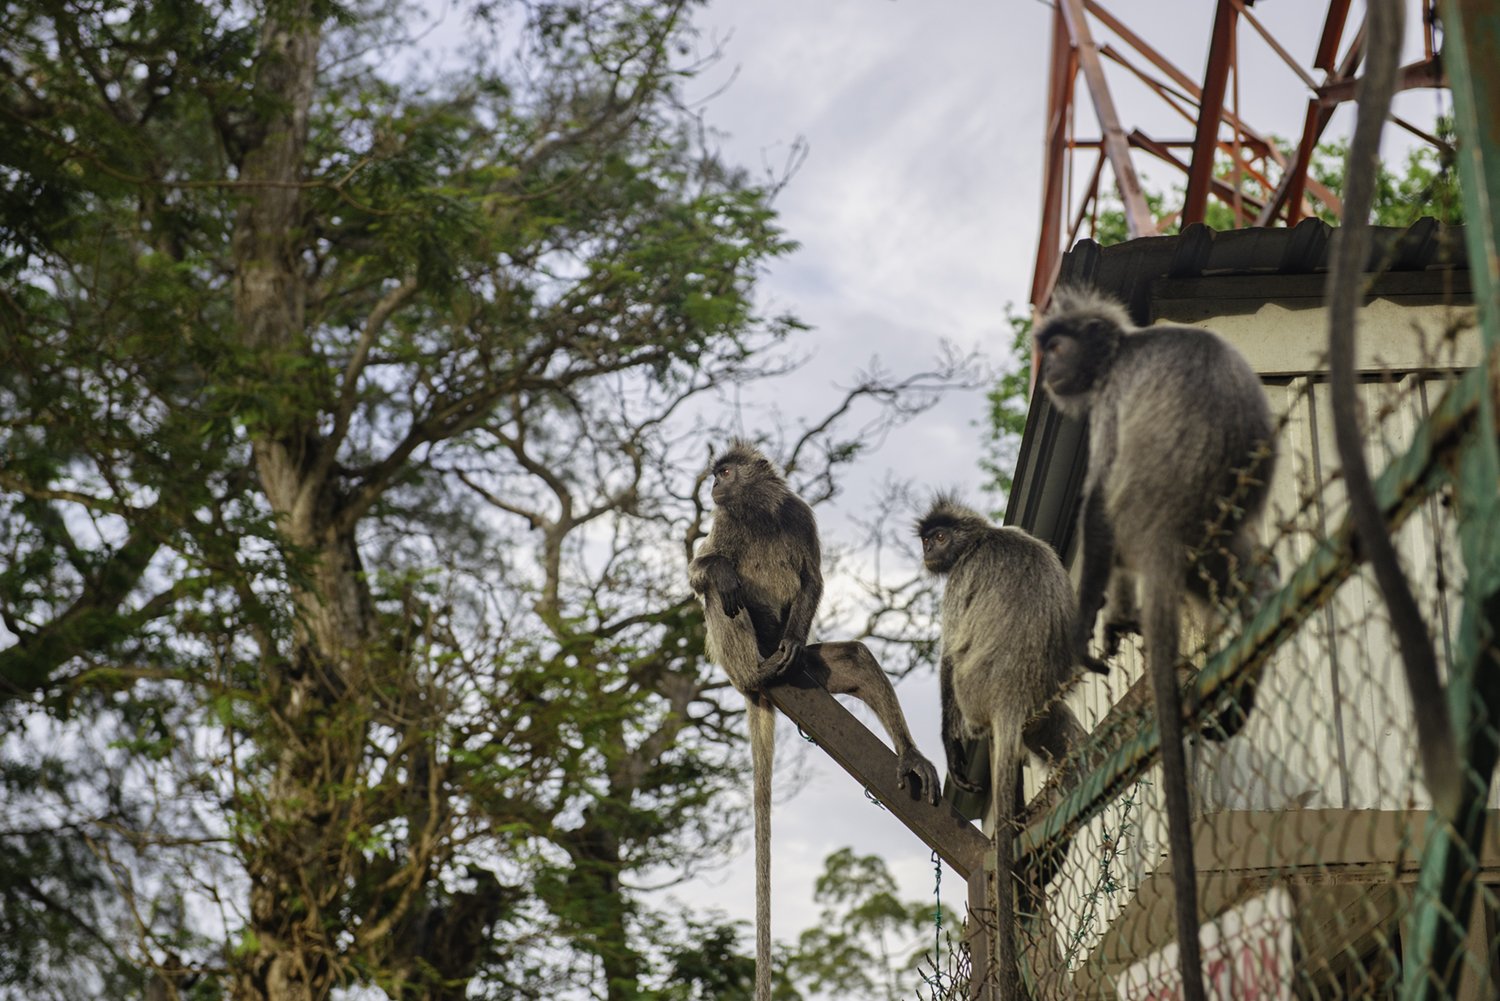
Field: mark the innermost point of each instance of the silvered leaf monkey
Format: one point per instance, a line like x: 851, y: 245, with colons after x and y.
x: 1008, y: 652
x: 1181, y: 448
x: 759, y: 576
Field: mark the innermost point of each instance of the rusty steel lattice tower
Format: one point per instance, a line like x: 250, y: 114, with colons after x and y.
x: 1225, y: 156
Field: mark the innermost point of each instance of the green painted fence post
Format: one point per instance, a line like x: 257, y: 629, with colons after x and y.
x: 1433, y: 935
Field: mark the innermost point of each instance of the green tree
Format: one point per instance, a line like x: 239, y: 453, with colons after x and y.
x: 344, y: 405
x: 1006, y: 408
x: 868, y: 943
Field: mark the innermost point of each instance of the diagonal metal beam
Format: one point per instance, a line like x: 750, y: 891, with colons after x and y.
x: 1178, y: 100
x: 1294, y: 179
x: 1221, y: 188
x: 1138, y: 221
x: 863, y: 755
x: 1333, y: 33
x: 1161, y: 62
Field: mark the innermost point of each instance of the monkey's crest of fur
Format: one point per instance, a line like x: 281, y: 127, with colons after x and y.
x: 742, y: 452
x: 948, y: 512
x: 1080, y: 303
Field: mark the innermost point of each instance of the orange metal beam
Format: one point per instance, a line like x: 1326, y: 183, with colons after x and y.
x: 1333, y: 32
x: 1185, y: 104
x: 1427, y: 73
x: 1294, y: 180
x: 1059, y: 99
x: 1090, y: 196
x: 1138, y: 221
x: 1210, y: 111
x: 1161, y: 62
x: 1222, y: 189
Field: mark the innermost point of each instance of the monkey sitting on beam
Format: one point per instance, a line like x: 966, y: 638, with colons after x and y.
x: 759, y: 576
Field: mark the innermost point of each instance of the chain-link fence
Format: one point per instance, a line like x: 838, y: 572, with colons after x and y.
x: 1310, y: 823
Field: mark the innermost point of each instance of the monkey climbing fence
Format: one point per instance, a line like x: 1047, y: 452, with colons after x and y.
x: 1312, y: 832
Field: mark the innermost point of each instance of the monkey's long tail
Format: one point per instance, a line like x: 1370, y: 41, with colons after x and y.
x: 1161, y: 657
x: 762, y: 720
x: 1004, y: 758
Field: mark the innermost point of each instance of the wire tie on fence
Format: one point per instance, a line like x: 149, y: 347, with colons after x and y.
x: 937, y: 902
x: 871, y: 797
x: 935, y: 981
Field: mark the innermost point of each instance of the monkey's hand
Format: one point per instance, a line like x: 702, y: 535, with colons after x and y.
x: 924, y: 782
x: 715, y: 575
x: 781, y: 658
x: 733, y: 600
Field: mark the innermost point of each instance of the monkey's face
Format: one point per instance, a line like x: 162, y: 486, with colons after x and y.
x: 725, y: 476
x: 1073, y: 357
x: 1063, y: 372
x: 732, y: 479
x: 940, y: 548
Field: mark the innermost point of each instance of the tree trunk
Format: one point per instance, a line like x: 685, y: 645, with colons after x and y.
x: 314, y: 736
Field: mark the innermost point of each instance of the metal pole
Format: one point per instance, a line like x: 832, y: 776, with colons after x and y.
x: 1434, y: 931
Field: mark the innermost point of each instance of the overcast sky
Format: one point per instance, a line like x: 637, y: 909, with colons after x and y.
x: 917, y: 210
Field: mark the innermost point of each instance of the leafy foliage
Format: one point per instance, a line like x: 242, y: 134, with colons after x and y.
x: 345, y: 405
x: 868, y: 943
x: 1006, y: 404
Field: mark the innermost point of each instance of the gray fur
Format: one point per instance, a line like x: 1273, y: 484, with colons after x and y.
x: 1179, y: 427
x: 1008, y: 620
x: 759, y: 577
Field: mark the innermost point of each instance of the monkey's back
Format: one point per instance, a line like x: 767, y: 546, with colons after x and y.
x: 1190, y: 404
x: 1008, y: 608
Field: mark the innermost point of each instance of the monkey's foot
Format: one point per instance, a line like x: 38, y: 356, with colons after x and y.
x: 781, y: 658
x: 1231, y: 719
x: 964, y: 784
x: 1092, y: 663
x: 1115, y: 631
x: 915, y: 772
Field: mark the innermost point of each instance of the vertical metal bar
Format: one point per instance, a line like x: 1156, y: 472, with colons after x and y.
x: 1210, y: 112
x: 1059, y: 98
x: 981, y: 921
x: 1444, y: 900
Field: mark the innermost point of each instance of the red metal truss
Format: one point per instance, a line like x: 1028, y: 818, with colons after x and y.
x: 1225, y: 158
